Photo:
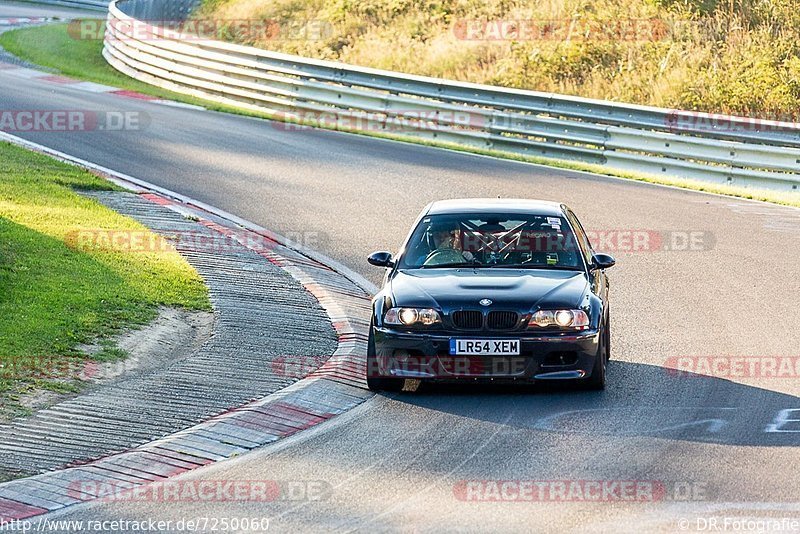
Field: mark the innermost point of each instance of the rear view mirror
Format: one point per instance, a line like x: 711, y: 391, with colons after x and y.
x: 381, y: 259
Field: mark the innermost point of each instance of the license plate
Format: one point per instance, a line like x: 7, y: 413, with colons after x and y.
x: 484, y: 347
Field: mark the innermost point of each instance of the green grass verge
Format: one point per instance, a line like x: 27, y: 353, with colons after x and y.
x: 51, y: 46
x: 57, y: 294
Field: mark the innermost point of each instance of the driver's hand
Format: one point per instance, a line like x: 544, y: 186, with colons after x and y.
x: 468, y: 255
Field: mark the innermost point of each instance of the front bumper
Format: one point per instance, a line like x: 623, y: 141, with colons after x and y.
x: 555, y: 356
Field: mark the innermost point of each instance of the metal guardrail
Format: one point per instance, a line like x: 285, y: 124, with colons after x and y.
x: 654, y: 141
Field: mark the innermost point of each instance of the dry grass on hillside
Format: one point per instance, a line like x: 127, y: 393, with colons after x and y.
x: 733, y: 56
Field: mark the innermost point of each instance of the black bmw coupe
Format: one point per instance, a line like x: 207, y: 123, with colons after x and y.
x: 491, y: 290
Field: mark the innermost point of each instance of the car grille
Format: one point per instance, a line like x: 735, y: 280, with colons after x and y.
x: 502, y: 320
x: 468, y: 320
x: 496, y: 320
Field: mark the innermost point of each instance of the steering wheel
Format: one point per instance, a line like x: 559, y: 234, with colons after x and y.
x: 443, y: 255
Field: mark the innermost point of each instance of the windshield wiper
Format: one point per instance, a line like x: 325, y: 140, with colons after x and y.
x: 451, y: 265
x: 533, y: 266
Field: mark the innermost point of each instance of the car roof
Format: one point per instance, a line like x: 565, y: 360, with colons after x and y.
x: 495, y: 205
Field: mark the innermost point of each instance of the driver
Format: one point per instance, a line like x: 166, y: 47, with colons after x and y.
x: 445, y: 238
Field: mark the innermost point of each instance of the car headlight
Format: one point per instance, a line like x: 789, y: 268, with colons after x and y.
x: 412, y: 317
x: 560, y: 318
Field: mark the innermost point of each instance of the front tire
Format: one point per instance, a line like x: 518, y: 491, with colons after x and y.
x: 376, y: 382
x: 608, y: 336
x: 597, y: 380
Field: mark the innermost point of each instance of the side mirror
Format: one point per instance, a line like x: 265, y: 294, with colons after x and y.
x: 602, y: 261
x: 381, y: 259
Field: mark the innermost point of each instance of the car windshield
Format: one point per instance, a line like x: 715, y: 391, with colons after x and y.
x: 492, y: 241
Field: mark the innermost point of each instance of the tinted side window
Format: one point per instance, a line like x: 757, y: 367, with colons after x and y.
x: 583, y: 241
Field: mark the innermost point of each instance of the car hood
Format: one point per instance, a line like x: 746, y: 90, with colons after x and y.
x: 518, y: 289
